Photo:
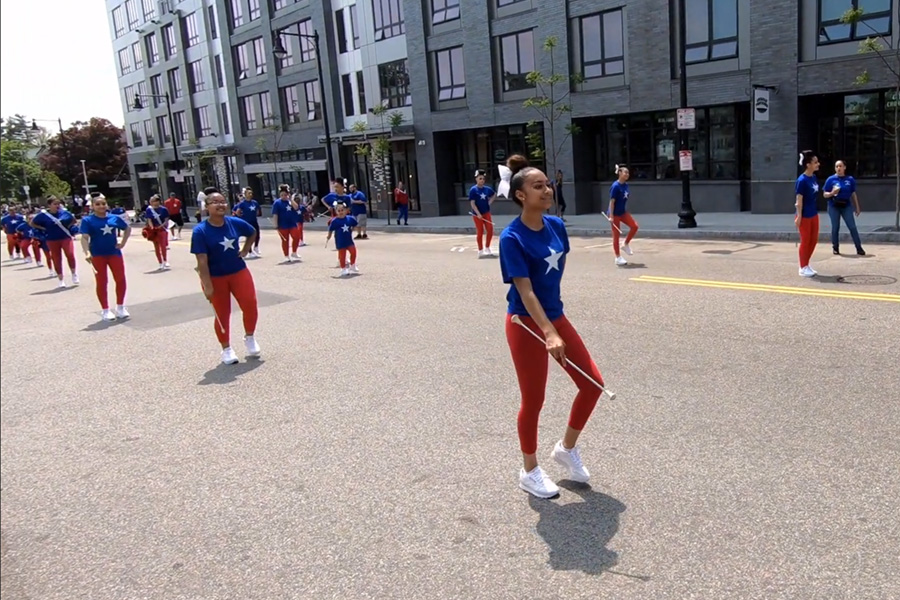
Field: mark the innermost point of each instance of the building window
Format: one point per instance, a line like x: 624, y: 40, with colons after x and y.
x: 237, y: 13
x: 307, y: 45
x: 197, y: 83
x: 131, y: 13
x: 242, y: 62
x: 149, y: 9
x: 138, y: 55
x: 136, y: 140
x: 361, y: 90
x: 201, y: 121
x: 213, y: 28
x: 175, y: 83
x: 876, y: 20
x: 451, y: 74
x: 711, y: 30
x: 341, y: 31
x: 279, y: 4
x: 259, y: 54
x: 265, y: 105
x: 444, y: 10
x: 388, y: 19
x: 394, y: 79
x: 169, y: 41
x: 125, y: 61
x: 254, y: 10
x: 165, y: 136
x: 220, y: 76
x: 191, y: 31
x: 313, y: 101
x: 354, y: 26
x: 226, y: 123
x: 248, y: 113
x: 347, y: 88
x: 148, y: 132
x: 290, y: 103
x: 141, y: 89
x: 502, y: 3
x: 129, y: 97
x: 517, y: 60
x: 118, y: 15
x: 602, y: 45
x: 156, y: 89
x: 181, y: 128
x: 288, y: 59
x: 862, y: 137
x: 152, y: 49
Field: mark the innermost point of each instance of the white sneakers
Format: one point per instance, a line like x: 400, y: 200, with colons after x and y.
x: 75, y: 280
x: 537, y: 483
x: 295, y: 256
x: 620, y: 261
x: 107, y: 315
x: 229, y: 357
x: 485, y: 253
x: 807, y: 271
x: 164, y: 266
x: 62, y: 283
x: 627, y: 250
x: 122, y: 312
x: 354, y: 269
x: 345, y: 272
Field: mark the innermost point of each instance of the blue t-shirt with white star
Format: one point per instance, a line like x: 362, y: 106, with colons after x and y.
x: 481, y: 196
x: 619, y: 193
x: 343, y: 231
x: 103, y: 233
x: 249, y: 211
x: 221, y: 245
x: 539, y: 256
x: 808, y: 187
x: 288, y: 218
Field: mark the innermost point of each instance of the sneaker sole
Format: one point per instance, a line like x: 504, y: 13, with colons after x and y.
x: 571, y: 476
x: 230, y: 362
x: 537, y: 495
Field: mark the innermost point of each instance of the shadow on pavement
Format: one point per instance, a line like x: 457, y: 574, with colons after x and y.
x: 104, y: 325
x: 633, y: 265
x: 54, y: 290
x: 229, y: 373
x: 578, y: 533
x: 752, y: 246
x: 857, y: 279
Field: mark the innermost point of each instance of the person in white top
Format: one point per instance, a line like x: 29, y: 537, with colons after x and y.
x: 201, y: 204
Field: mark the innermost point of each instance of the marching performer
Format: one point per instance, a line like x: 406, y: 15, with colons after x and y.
x: 103, y: 250
x: 157, y: 231
x: 481, y: 197
x: 58, y: 225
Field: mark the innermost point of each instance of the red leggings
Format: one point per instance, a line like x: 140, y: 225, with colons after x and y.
x: 531, y: 359
x: 37, y: 249
x: 57, y: 248
x: 25, y: 247
x: 627, y: 219
x: 116, y: 264
x: 481, y: 227
x: 240, y: 285
x: 809, y: 237
x: 294, y: 235
x: 342, y: 256
x: 11, y: 244
x: 160, y: 245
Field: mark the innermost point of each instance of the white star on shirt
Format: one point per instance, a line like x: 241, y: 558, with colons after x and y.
x: 345, y: 228
x: 815, y: 187
x: 483, y: 196
x: 553, y: 259
x: 626, y: 195
x: 227, y: 244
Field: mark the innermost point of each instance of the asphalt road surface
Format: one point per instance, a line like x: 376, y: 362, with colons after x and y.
x: 752, y: 451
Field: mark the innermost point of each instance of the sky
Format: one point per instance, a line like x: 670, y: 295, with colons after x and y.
x: 56, y: 61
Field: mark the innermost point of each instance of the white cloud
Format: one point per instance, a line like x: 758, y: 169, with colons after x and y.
x: 56, y: 61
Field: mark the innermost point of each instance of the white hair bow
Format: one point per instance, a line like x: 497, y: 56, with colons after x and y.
x: 505, y: 176
x: 801, y: 160
x: 617, y: 170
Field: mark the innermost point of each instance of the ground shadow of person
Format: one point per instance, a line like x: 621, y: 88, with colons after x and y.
x: 578, y: 533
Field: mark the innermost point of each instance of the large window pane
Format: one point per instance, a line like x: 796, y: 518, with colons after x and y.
x: 517, y: 59
x: 613, y: 46
x: 697, y: 21
x: 591, y: 50
x: 724, y: 19
x: 831, y: 10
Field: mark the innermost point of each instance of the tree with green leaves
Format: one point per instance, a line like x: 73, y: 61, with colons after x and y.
x: 546, y: 135
x: 888, y: 54
x: 378, y: 148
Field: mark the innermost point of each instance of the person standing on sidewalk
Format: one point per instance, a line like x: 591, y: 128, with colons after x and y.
x: 618, y: 214
x: 173, y: 205
x: 401, y: 197
x: 840, y: 190
x: 249, y: 210
x: 807, y: 217
x: 359, y: 209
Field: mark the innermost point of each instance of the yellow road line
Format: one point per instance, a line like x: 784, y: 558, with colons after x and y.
x: 769, y: 288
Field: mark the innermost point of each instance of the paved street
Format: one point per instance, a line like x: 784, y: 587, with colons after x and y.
x: 752, y: 451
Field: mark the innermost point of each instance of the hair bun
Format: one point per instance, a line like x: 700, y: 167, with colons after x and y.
x: 516, y: 163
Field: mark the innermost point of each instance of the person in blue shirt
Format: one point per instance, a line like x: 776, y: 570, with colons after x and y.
x: 25, y: 239
x: 840, y: 190
x: 806, y: 219
x: 57, y: 224
x: 618, y: 214
x: 342, y: 228
x: 10, y: 221
x: 481, y: 197
x: 286, y: 217
x: 249, y: 210
x: 337, y: 194
x: 533, y: 252
x: 157, y: 230
x: 223, y: 272
x: 359, y: 210
x: 102, y: 249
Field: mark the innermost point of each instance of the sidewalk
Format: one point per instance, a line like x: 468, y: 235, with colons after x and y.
x: 873, y: 226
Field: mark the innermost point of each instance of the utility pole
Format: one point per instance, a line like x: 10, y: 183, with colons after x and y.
x: 686, y: 215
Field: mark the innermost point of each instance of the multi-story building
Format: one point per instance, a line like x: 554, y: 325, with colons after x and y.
x: 766, y: 79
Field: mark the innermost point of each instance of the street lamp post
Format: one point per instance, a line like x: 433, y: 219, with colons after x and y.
x: 280, y: 52
x: 686, y: 216
x: 87, y: 187
x: 62, y: 138
x: 138, y: 105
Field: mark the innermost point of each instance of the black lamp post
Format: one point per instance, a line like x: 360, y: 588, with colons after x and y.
x: 138, y: 105
x: 280, y: 52
x: 686, y: 215
x: 62, y: 138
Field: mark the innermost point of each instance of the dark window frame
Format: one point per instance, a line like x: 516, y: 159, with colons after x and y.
x: 314, y: 105
x: 451, y: 86
x: 349, y: 98
x: 389, y: 19
x: 341, y: 31
x: 290, y: 102
x: 854, y: 36
x: 518, y: 78
x: 711, y: 40
x: 447, y: 12
x: 394, y: 83
x: 191, y: 30
x: 604, y: 60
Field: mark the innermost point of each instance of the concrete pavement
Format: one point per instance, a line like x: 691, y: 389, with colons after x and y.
x: 372, y: 452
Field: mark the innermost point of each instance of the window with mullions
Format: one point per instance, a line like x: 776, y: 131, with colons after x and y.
x: 443, y: 11
x: 313, y: 101
x: 152, y: 49
x: 169, y: 41
x: 451, y: 74
x: 254, y: 10
x: 192, y: 32
x: 149, y: 9
x: 388, y: 19
x: 394, y: 78
x: 602, y: 45
x: 237, y: 13
x: 712, y: 30
x: 290, y: 104
x: 307, y: 45
x: 118, y: 15
x: 517, y: 60
x: 876, y: 20
x: 502, y: 3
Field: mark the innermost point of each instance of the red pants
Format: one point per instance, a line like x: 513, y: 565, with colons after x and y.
x: 37, y: 249
x: 627, y: 219
x: 57, y: 247
x: 11, y: 244
x: 342, y: 256
x: 481, y: 227
x: 530, y: 358
x: 294, y: 235
x: 160, y: 245
x: 25, y: 247
x: 240, y: 285
x: 117, y: 265
x: 809, y: 237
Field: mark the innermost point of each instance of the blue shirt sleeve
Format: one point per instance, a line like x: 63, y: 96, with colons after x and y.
x: 799, y: 188
x: 333, y: 225
x: 852, y: 185
x: 473, y: 194
x: 829, y: 183
x: 489, y: 191
x: 87, y: 226
x: 275, y: 207
x: 198, y: 241
x: 352, y: 221
x: 513, y: 262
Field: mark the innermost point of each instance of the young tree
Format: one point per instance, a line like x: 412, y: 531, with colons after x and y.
x: 888, y: 54
x: 551, y: 104
x: 378, y: 148
x: 271, y: 143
